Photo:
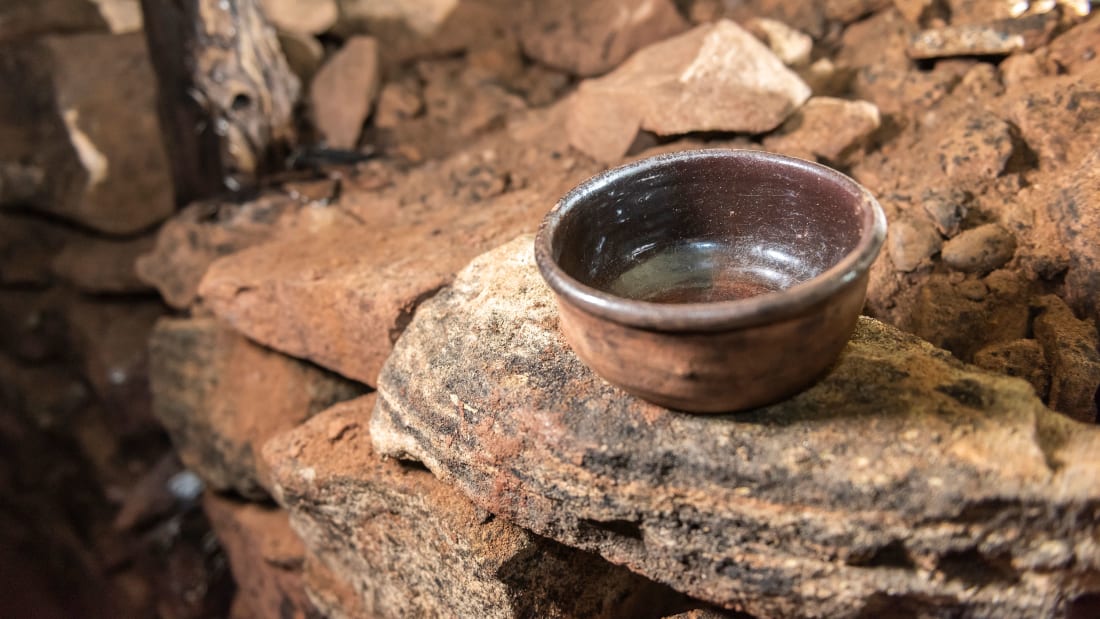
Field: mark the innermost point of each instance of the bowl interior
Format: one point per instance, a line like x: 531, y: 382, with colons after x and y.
x: 708, y: 228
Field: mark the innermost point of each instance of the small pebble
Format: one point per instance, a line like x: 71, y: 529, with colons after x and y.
x: 910, y: 242
x: 980, y: 250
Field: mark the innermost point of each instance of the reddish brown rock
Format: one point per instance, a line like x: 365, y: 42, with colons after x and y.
x: 343, y: 91
x: 221, y: 397
x: 266, y: 557
x: 1076, y: 50
x: 790, y: 45
x: 946, y: 209
x: 1023, y: 358
x: 103, y: 266
x: 589, y: 38
x: 996, y: 38
x: 331, y: 595
x: 1071, y: 347
x: 716, y: 77
x: 886, y: 485
x: 413, y: 546
x: 848, y: 11
x: 205, y: 231
x: 911, y: 243
x: 975, y: 148
x: 24, y: 19
x: 91, y: 125
x: 825, y: 127
x: 980, y: 250
x: 423, y: 17
x: 965, y: 315
x: 398, y: 102
x: 304, y: 54
x: 301, y: 16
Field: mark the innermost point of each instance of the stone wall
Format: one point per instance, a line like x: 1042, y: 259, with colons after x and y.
x: 360, y: 369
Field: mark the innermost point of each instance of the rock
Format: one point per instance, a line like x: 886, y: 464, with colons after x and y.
x: 266, y: 557
x: 221, y: 397
x: 996, y: 38
x: 301, y: 16
x: 1076, y: 50
x: 1023, y: 358
x: 331, y: 595
x: 109, y: 339
x: 149, y: 498
x: 27, y: 246
x: 342, y: 296
x: 26, y: 19
x: 980, y: 250
x: 398, y: 102
x: 910, y: 244
x: 914, y: 10
x: 423, y: 17
x: 413, y: 546
x: 205, y: 231
x: 343, y: 91
x: 975, y: 148
x: 886, y: 485
x: 32, y: 325
x: 789, y: 45
x: 1056, y: 117
x: 825, y: 127
x: 589, y: 38
x: 809, y: 17
x: 304, y: 54
x: 91, y: 125
x: 103, y: 266
x: 1071, y: 347
x: 1020, y: 70
x: 848, y: 11
x: 716, y: 77
x: 946, y: 209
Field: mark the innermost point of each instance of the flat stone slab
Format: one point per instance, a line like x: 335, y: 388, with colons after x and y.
x: 905, y: 479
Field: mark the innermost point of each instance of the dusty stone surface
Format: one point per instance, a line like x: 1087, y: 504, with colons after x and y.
x: 886, y: 485
x: 911, y: 242
x: 221, y: 397
x: 93, y: 129
x: 790, y: 45
x: 980, y: 250
x: 825, y: 127
x: 1070, y: 346
x: 716, y: 77
x: 302, y: 16
x: 332, y: 596
x: 1023, y: 358
x: 189, y: 242
x: 343, y: 91
x: 266, y: 557
x: 1001, y: 37
x: 413, y: 546
x: 592, y: 37
x: 103, y: 266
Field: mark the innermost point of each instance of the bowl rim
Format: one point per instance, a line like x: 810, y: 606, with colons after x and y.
x: 759, y: 309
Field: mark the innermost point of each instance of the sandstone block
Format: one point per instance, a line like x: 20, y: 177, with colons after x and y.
x: 589, y: 38
x: 1070, y: 345
x: 220, y: 397
x: 887, y: 485
x: 266, y: 557
x: 825, y: 127
x: 715, y: 77
x: 90, y: 122
x: 413, y: 546
x: 343, y: 91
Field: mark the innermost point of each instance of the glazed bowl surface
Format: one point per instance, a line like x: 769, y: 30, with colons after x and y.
x: 711, y: 280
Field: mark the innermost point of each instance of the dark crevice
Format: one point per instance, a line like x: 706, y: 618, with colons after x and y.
x: 619, y: 528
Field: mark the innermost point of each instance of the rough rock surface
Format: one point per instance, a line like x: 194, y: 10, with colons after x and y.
x: 825, y: 127
x: 302, y: 16
x: 790, y: 45
x: 27, y: 248
x: 204, y: 231
x: 92, y: 126
x: 716, y: 77
x: 343, y: 91
x: 413, y: 546
x: 266, y: 557
x: 102, y: 266
x: 1070, y: 347
x: 221, y: 397
x: 890, y: 484
x: 980, y: 249
x: 590, y: 38
x: 1001, y: 37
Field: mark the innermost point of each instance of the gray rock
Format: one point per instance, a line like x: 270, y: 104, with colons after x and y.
x: 904, y: 479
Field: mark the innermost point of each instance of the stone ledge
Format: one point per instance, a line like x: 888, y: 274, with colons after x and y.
x: 905, y: 479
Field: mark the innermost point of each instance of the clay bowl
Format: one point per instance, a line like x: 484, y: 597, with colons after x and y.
x: 711, y: 280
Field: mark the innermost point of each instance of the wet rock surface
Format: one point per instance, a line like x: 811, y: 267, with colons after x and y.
x: 886, y: 484
x: 221, y: 397
x: 411, y: 545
